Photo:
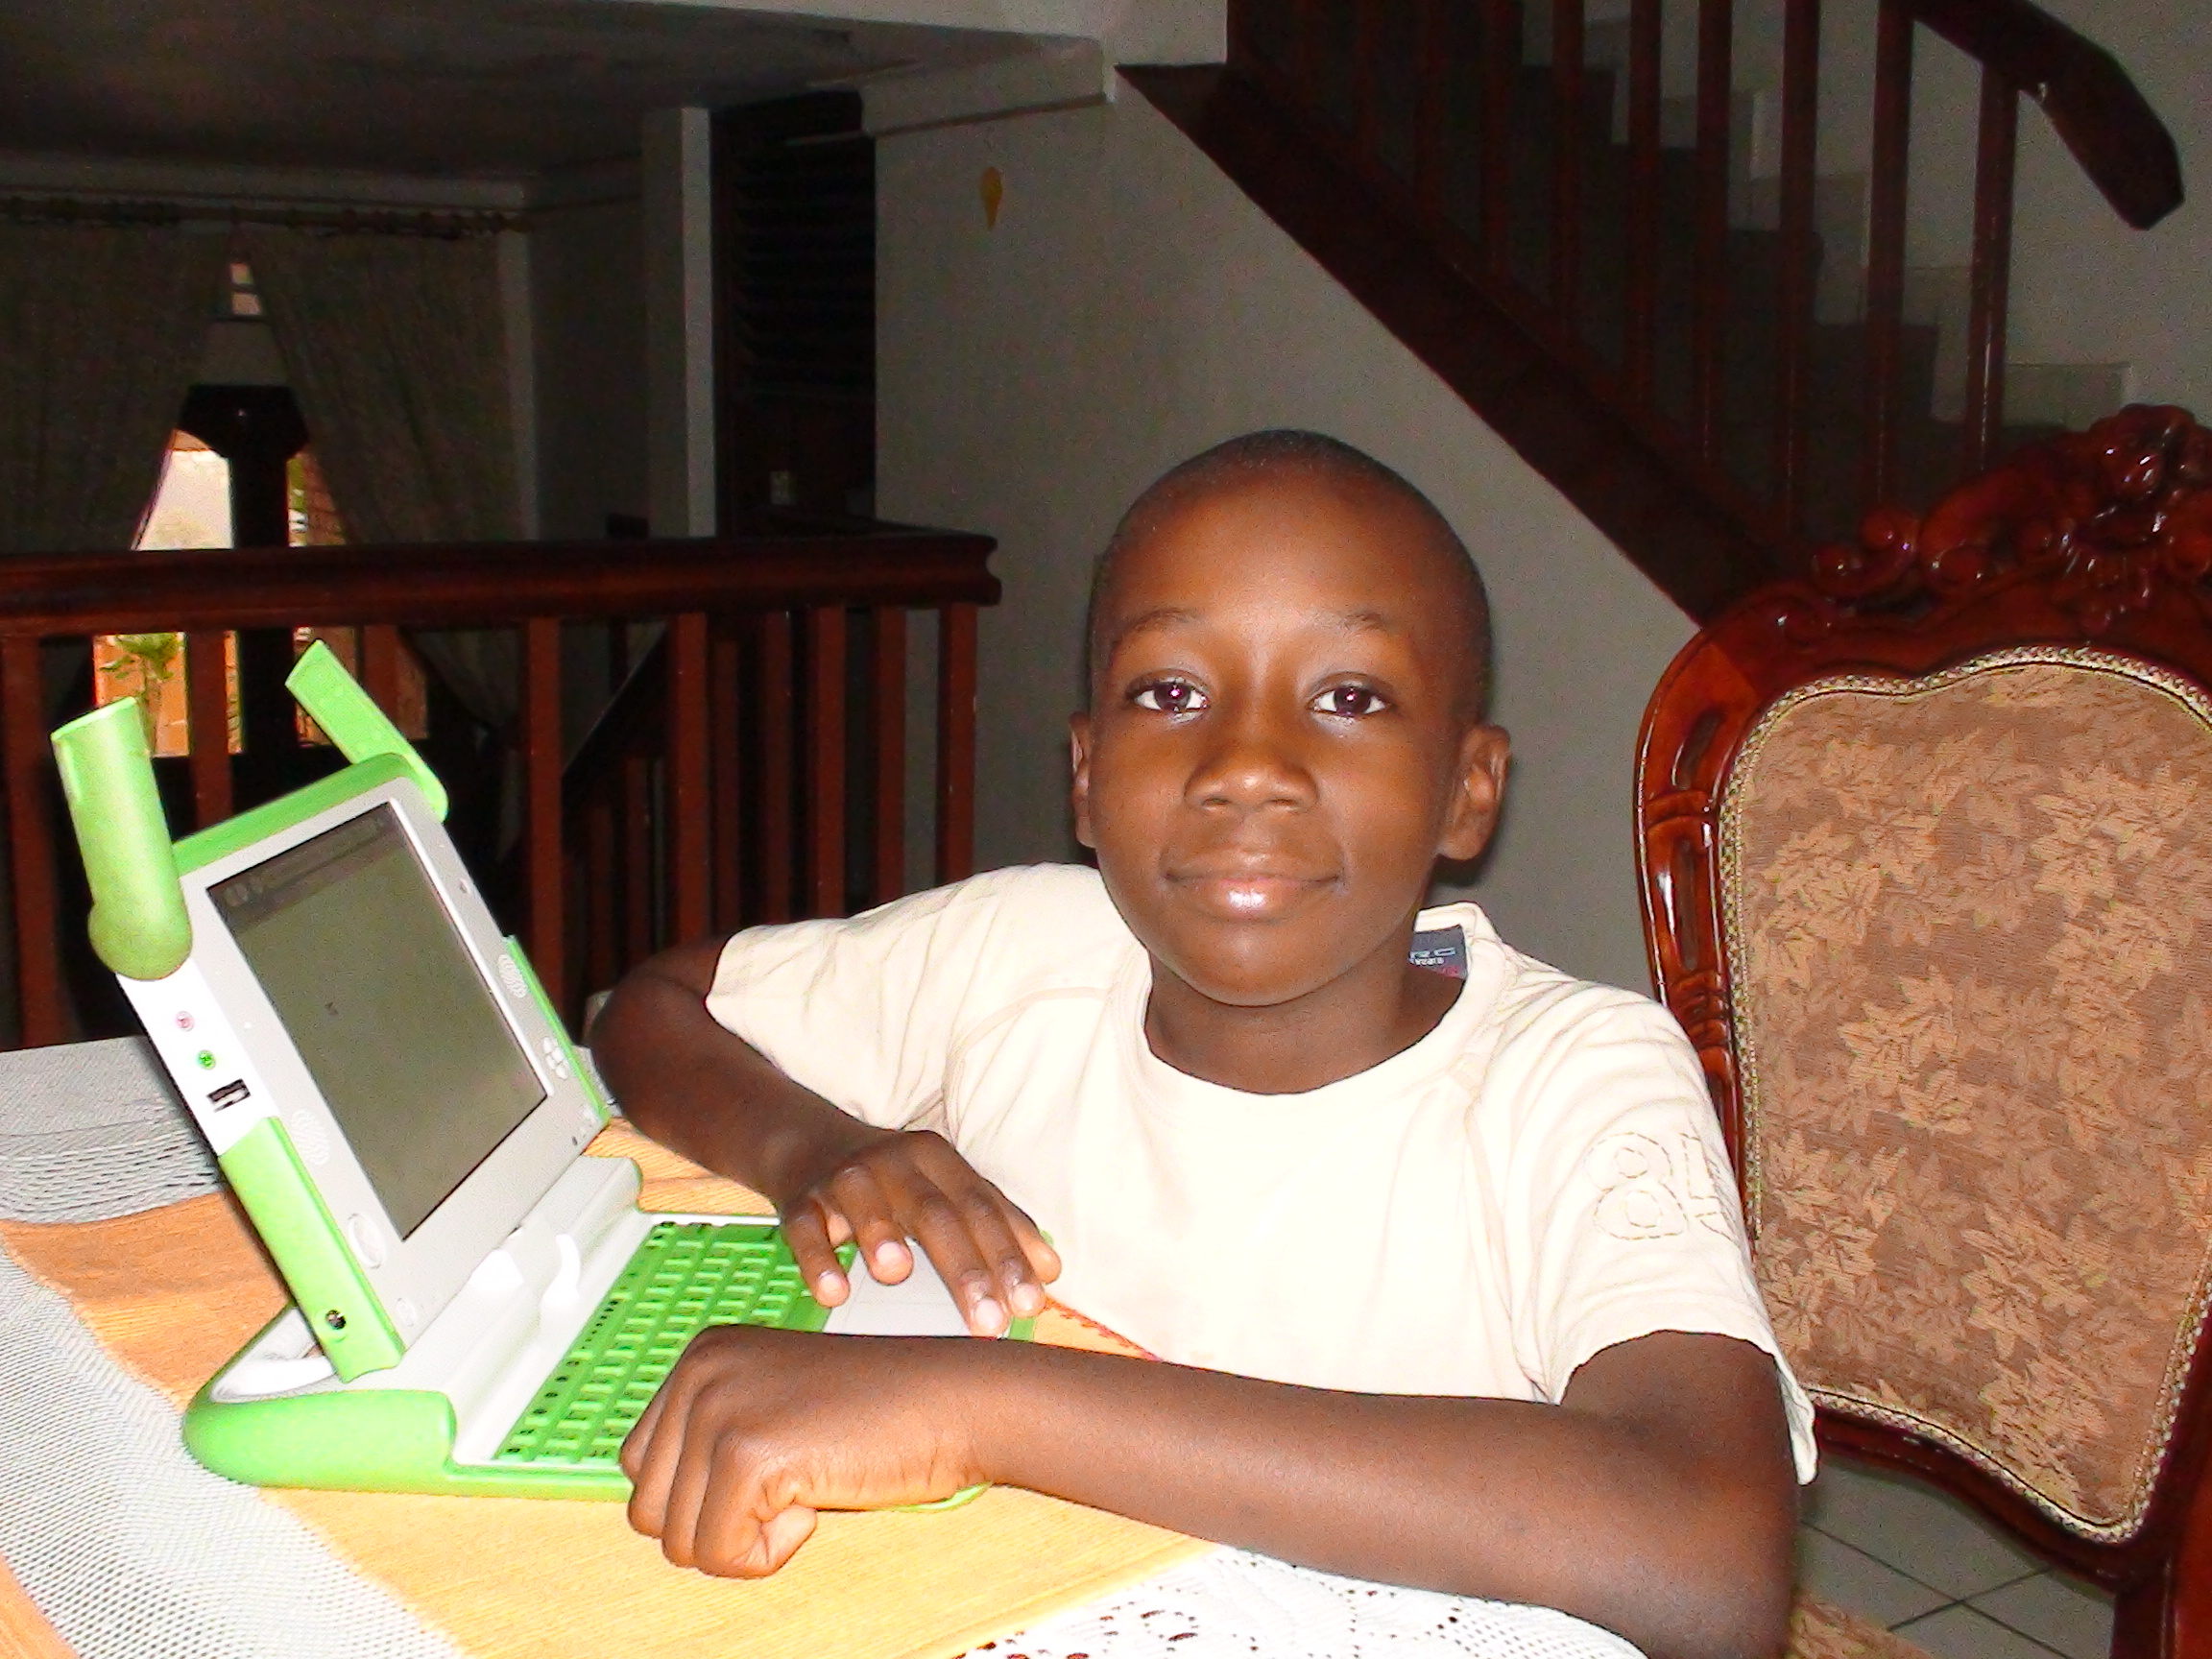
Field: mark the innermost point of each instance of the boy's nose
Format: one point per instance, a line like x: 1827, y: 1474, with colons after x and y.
x: 1251, y: 764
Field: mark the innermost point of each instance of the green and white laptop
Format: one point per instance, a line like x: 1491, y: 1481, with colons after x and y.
x: 479, y: 1308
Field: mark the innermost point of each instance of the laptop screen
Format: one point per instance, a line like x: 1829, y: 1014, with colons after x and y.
x: 384, y: 1003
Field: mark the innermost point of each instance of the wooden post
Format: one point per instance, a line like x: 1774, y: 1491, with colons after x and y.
x: 542, y: 759
x: 689, y: 874
x: 1794, y: 343
x: 726, y: 724
x: 207, y: 721
x: 380, y: 665
x: 955, y: 743
x: 1991, y: 277
x: 889, y: 736
x: 825, y: 761
x: 773, y: 708
x: 28, y: 765
x: 1641, y: 346
x: 1709, y: 314
x: 1885, y: 250
x: 1429, y: 109
x: 1567, y: 94
x: 1500, y: 64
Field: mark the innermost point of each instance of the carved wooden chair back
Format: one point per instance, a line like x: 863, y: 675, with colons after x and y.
x: 1926, y: 850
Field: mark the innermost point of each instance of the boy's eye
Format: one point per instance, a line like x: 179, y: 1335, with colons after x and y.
x: 1349, y: 700
x: 1168, y: 697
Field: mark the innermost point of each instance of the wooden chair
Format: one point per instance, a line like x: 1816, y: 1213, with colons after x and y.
x: 1926, y: 854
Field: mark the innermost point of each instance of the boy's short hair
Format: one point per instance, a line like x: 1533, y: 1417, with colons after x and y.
x: 1295, y: 450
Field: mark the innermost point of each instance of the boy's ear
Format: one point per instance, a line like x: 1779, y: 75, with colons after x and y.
x: 1079, y: 784
x: 1485, y: 752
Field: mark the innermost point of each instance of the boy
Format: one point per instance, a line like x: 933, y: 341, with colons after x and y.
x: 1447, y: 1271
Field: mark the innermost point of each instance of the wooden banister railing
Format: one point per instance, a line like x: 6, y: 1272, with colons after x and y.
x: 733, y: 803
x: 1626, y: 259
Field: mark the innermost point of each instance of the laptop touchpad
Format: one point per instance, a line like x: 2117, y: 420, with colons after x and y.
x: 918, y: 1307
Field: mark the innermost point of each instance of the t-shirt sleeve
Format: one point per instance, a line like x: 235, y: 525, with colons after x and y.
x: 1623, y: 1213
x: 863, y: 1010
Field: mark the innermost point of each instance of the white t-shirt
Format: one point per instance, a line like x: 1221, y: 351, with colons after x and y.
x: 1539, y: 1178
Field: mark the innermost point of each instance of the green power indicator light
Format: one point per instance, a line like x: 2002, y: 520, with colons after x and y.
x: 207, y: 1059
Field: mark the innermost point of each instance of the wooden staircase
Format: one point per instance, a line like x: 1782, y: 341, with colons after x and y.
x: 1494, y: 185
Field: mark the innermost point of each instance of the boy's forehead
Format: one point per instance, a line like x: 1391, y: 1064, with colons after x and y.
x: 1378, y: 559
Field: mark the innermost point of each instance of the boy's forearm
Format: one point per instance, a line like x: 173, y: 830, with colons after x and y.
x: 1679, y: 1541
x: 695, y: 1086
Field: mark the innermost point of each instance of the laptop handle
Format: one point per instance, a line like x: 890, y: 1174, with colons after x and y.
x: 138, y: 925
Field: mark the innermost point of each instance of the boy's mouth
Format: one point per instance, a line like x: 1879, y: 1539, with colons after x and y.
x: 1244, y: 894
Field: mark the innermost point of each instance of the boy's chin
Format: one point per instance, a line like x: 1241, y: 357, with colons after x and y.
x: 1262, y: 970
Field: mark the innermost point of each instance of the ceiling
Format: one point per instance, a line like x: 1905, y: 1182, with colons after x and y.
x: 469, y: 88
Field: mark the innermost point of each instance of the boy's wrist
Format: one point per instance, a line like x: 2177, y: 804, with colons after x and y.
x: 796, y: 1158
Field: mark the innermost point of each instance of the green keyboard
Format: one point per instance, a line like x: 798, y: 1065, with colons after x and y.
x: 685, y: 1276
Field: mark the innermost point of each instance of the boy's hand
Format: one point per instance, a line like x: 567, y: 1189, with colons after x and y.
x: 757, y: 1429
x: 901, y: 1184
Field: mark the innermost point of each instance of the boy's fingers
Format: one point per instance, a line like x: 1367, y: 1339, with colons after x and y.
x: 690, y: 1486
x: 641, y: 1436
x: 873, y: 1215
x: 808, y: 1234
x: 733, y: 1540
x: 783, y: 1534
x: 967, y: 1244
x: 659, y: 1442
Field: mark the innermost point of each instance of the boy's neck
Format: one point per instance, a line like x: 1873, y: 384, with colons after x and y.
x: 1382, y: 1008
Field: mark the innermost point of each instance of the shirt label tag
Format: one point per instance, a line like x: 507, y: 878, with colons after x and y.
x: 1440, y: 951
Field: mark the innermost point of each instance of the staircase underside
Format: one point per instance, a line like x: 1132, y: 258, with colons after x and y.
x: 1655, y: 503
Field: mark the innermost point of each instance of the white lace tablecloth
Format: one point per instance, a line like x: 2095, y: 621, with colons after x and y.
x: 1232, y: 1605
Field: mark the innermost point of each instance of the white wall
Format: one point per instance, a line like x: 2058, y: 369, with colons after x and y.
x: 1132, y: 307
x: 587, y: 270
x: 2086, y: 288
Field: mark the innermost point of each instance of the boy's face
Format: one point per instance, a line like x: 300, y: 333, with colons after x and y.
x: 1277, y: 751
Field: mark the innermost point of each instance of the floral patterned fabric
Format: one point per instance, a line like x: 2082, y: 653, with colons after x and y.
x: 1821, y: 1630
x: 1968, y: 923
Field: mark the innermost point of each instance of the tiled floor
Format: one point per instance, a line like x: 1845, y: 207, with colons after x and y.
x: 1906, y: 1556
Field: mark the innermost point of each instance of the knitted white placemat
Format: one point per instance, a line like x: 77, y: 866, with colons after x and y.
x: 134, y: 1552
x: 90, y: 1130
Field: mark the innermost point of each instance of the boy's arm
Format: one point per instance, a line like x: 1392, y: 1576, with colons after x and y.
x: 696, y: 1087
x: 1658, y: 1499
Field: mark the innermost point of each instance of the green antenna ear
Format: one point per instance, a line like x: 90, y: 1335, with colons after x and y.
x: 138, y: 925
x: 353, y: 719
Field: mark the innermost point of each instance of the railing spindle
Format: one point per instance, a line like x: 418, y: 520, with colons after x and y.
x: 1501, y: 64
x: 1794, y: 342
x: 1885, y: 250
x: 1709, y: 314
x: 640, y: 854
x: 690, y: 873
x: 541, y: 758
x: 773, y: 706
x: 825, y: 760
x: 1641, y: 344
x: 1991, y: 276
x: 888, y: 725
x: 726, y: 724
x: 1567, y: 93
x: 1307, y: 45
x: 207, y: 722
x: 380, y: 665
x: 1429, y: 109
x: 45, y: 1014
x: 1366, y: 79
x: 602, y: 884
x: 955, y: 743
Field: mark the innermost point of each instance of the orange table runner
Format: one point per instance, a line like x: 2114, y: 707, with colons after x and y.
x: 172, y: 1293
